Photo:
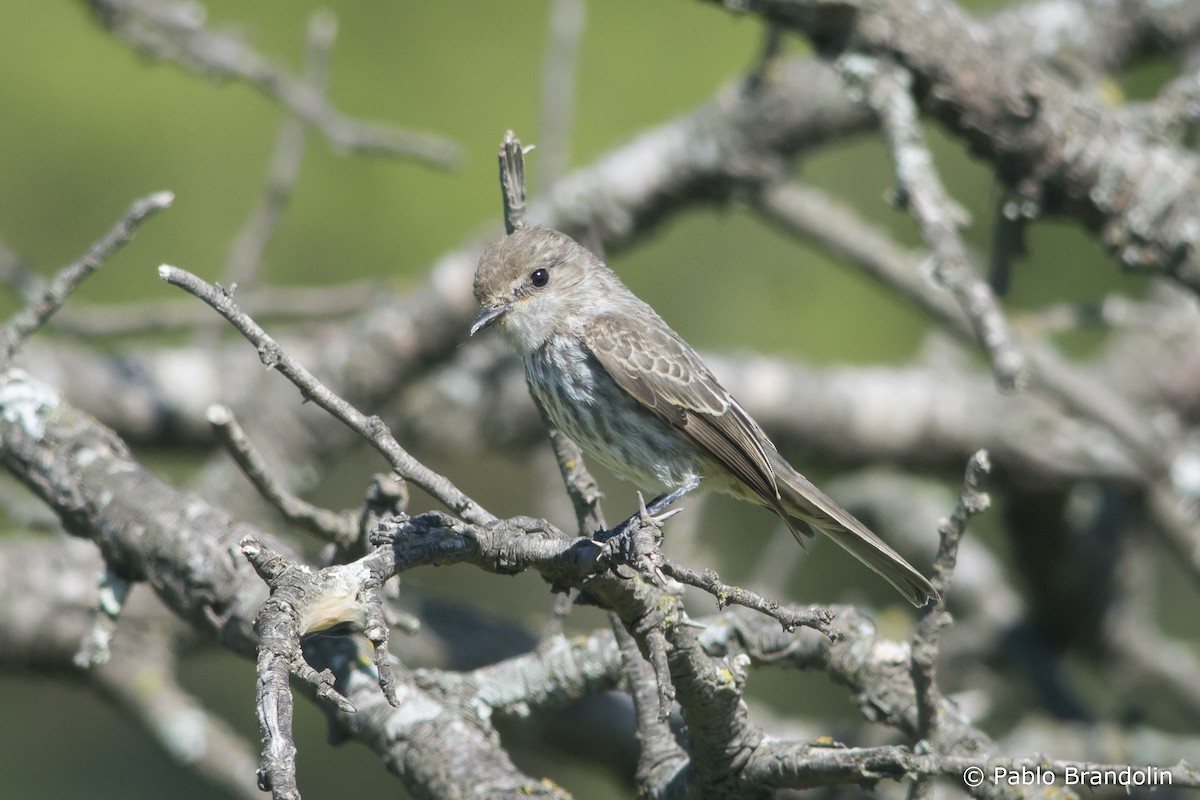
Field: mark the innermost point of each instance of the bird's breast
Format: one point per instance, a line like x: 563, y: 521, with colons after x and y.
x: 564, y: 385
x: 583, y: 401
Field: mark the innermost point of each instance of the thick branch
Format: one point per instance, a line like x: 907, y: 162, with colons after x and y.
x: 1062, y: 149
x: 186, y: 551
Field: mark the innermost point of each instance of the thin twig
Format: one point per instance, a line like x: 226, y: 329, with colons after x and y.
x: 245, y: 257
x: 887, y: 89
x: 811, y: 213
x: 512, y: 183
x: 582, y: 488
x: 34, y: 315
x: 816, y: 215
x: 660, y: 758
x: 656, y: 648
x: 790, y: 617
x: 319, y: 303
x: 341, y: 529
x: 221, y: 56
x: 370, y: 428
x: 558, y: 89
x: 971, y: 501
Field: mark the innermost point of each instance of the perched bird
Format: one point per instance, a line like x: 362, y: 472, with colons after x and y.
x: 611, y: 374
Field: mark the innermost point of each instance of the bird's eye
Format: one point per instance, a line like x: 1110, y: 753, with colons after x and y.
x: 540, y: 277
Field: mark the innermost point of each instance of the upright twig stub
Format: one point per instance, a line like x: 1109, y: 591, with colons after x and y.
x: 512, y: 182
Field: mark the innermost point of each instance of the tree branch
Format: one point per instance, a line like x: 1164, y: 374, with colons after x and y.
x: 34, y: 315
x: 372, y: 429
x: 887, y: 89
x: 175, y: 32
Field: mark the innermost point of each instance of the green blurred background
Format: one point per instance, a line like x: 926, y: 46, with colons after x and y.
x: 87, y: 125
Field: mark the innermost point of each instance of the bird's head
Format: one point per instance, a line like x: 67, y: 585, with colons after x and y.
x: 535, y: 283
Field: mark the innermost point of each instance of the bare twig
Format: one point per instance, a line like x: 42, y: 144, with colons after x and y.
x: 1079, y: 155
x: 558, y: 89
x: 582, y: 488
x: 512, y: 183
x: 340, y: 528
x: 370, y: 428
x: 150, y: 26
x: 971, y: 501
x: 908, y: 506
x: 790, y: 617
x: 317, y: 303
x: 245, y: 257
x: 661, y: 761
x: 47, y: 583
x: 34, y: 315
x: 656, y: 653
x: 819, y: 216
x: 888, y: 90
x: 302, y: 602
x: 812, y: 213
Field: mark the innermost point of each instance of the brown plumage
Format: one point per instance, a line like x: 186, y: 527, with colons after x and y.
x: 611, y: 374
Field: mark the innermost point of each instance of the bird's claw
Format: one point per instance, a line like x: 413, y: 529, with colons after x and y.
x: 635, y: 543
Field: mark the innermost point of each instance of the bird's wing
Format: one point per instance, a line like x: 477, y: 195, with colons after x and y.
x: 660, y: 370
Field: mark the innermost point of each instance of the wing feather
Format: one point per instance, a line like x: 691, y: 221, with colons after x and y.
x: 662, y: 372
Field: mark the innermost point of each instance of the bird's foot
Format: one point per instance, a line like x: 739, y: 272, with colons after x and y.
x: 635, y: 541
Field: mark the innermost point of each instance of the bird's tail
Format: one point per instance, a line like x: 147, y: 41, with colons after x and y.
x: 805, y: 506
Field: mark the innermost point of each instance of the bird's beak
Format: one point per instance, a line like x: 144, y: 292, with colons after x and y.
x: 489, y: 316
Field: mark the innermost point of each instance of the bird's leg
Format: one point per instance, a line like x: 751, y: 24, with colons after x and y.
x: 636, y: 540
x: 663, y: 501
x: 651, y: 512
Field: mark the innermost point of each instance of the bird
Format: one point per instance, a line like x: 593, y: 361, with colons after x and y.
x: 611, y: 374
